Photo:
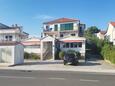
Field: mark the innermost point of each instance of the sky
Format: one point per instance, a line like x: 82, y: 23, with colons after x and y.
x: 32, y: 13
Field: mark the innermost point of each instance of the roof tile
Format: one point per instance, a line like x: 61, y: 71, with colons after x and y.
x: 61, y: 20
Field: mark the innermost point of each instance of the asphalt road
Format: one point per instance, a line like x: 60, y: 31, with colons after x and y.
x: 53, y: 78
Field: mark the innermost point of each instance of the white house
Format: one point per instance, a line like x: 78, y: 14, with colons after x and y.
x: 32, y: 45
x: 11, y: 49
x: 73, y: 43
x: 110, y: 35
x: 101, y: 34
x: 63, y: 34
x: 11, y: 53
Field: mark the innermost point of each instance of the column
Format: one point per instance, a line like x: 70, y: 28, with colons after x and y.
x: 41, y: 47
x: 53, y: 49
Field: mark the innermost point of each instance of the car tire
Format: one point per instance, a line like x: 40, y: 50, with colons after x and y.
x: 65, y: 62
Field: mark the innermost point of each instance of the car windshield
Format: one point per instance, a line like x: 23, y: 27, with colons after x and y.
x: 71, y: 55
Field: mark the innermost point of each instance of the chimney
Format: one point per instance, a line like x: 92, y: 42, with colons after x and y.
x: 16, y: 25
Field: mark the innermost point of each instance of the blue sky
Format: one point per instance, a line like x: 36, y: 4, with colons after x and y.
x: 31, y: 13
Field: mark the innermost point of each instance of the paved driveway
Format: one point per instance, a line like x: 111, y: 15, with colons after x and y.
x: 92, y: 65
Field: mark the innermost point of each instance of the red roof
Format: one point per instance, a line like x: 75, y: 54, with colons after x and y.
x: 112, y: 23
x: 61, y: 20
x: 31, y: 43
x: 103, y: 32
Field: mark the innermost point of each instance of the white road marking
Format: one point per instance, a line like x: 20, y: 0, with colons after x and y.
x: 88, y: 80
x: 53, y: 78
x: 18, y: 77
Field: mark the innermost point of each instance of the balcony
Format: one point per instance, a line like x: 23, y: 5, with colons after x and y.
x: 3, y: 42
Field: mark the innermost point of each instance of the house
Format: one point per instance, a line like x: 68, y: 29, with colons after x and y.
x: 110, y: 35
x: 32, y: 45
x: 101, y: 34
x: 62, y: 34
x: 11, y: 49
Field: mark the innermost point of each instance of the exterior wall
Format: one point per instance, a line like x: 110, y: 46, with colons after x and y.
x: 32, y: 49
x: 19, y: 54
x: 100, y: 36
x: 75, y: 26
x: 15, y: 33
x: 81, y: 50
x: 11, y: 54
x: 6, y: 54
x: 111, y: 33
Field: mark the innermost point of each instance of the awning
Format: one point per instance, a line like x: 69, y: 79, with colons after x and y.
x: 72, y: 41
x: 31, y: 43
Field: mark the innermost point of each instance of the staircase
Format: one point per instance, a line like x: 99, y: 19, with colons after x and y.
x: 47, y: 54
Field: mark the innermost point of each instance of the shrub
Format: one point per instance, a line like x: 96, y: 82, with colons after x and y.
x: 74, y: 52
x: 108, y: 52
x: 34, y: 56
x: 57, y: 55
x: 78, y: 54
x: 61, y: 54
x: 26, y: 55
x: 31, y: 56
x: 71, y: 51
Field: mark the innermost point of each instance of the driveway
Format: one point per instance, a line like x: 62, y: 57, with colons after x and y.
x: 91, y: 65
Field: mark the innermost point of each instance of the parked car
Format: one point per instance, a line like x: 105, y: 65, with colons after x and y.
x: 70, y: 59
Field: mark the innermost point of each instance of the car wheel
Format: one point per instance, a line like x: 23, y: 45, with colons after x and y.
x: 65, y: 62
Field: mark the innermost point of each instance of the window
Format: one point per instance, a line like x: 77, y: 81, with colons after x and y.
x: 68, y: 26
x: 64, y: 46
x: 73, y: 34
x: 71, y: 45
x: 55, y: 27
x: 75, y: 45
x: 67, y: 45
x: 61, y: 35
x: 80, y: 44
x: 8, y: 38
x: 47, y: 27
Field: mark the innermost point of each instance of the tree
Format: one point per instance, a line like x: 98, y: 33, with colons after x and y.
x: 92, y: 30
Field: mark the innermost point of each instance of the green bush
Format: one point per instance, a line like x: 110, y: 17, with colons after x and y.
x: 26, y: 55
x: 78, y: 54
x: 57, y: 55
x: 31, y: 56
x: 61, y: 54
x: 108, y: 52
x: 74, y: 52
x: 71, y: 51
x: 34, y: 56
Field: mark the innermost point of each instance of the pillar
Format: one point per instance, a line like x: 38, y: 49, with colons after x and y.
x: 53, y: 49
x: 41, y: 47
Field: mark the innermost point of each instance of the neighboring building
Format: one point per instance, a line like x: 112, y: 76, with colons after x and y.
x: 13, y: 33
x: 11, y: 49
x: 62, y: 34
x: 32, y: 45
x: 101, y: 34
x: 110, y: 35
x: 11, y: 53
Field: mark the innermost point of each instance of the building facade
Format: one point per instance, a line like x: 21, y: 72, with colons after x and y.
x: 110, y: 35
x: 11, y: 49
x: 32, y: 45
x: 101, y: 34
x: 62, y: 34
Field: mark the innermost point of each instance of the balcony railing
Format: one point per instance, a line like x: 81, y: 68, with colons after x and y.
x: 4, y: 42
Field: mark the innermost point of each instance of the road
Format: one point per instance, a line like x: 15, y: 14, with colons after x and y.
x: 53, y: 78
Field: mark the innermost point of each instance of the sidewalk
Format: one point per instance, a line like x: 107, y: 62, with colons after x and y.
x: 89, y: 66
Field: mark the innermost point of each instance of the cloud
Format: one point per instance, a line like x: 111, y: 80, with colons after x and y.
x: 43, y: 17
